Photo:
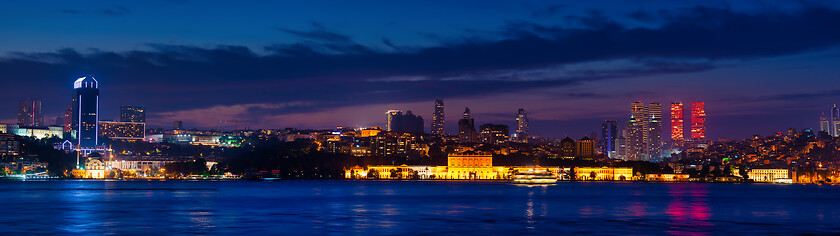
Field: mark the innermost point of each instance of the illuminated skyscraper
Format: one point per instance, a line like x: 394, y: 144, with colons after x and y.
x: 825, y: 125
x: 677, y: 122
x: 86, y: 112
x: 521, y: 124
x: 609, y: 133
x: 390, y: 119
x: 835, y: 121
x: 466, y: 128
x: 698, y: 121
x: 635, y: 140
x: 654, y: 132
x: 438, y: 121
x: 136, y: 114
x: 29, y: 112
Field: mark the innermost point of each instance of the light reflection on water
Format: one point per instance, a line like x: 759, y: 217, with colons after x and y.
x: 360, y: 207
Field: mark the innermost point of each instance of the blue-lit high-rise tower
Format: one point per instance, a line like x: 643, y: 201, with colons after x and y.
x: 85, y: 112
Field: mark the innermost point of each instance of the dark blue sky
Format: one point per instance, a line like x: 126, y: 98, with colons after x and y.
x: 760, y: 66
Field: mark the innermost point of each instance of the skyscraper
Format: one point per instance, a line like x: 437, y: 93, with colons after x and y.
x: 177, y: 125
x: 408, y: 122
x: 654, y: 132
x: 635, y: 140
x: 136, y: 114
x: 68, y: 122
x: 825, y: 126
x: 835, y: 121
x: 438, y: 121
x: 390, y: 118
x: 609, y: 133
x: 677, y: 123
x: 466, y: 128
x: 29, y: 112
x: 698, y: 121
x: 86, y: 112
x: 521, y: 124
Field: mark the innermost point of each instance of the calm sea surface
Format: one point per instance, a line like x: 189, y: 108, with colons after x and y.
x: 391, y: 208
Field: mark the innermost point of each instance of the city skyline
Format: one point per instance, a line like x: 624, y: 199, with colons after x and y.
x: 484, y: 62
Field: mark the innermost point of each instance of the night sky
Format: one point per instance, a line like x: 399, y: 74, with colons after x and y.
x: 760, y: 66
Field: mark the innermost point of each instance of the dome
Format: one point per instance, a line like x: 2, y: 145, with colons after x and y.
x: 86, y: 82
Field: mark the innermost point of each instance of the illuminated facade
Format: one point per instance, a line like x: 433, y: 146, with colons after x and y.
x: 604, y: 173
x: 390, y: 119
x: 769, y: 175
x: 35, y: 132
x: 465, y: 166
x: 698, y: 121
x: 122, y: 130
x: 677, y: 122
x: 635, y: 140
x: 86, y: 112
x: 667, y: 177
x: 136, y: 114
x: 521, y: 124
x: 29, y: 112
x: 438, y: 120
x: 825, y: 125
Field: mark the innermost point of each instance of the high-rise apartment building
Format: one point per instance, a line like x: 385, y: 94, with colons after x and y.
x: 825, y: 125
x: 609, y: 133
x: 466, y: 128
x: 135, y: 114
x: 698, y: 121
x: 438, y: 120
x: 29, y: 112
x: 677, y: 122
x: 178, y: 125
x: 521, y: 124
x: 86, y: 112
x: 644, y: 139
x: 68, y: 122
x: 654, y: 132
x: 835, y: 121
x: 585, y: 148
x: 390, y: 118
x: 407, y: 123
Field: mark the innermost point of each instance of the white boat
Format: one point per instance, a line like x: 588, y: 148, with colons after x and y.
x: 534, y: 177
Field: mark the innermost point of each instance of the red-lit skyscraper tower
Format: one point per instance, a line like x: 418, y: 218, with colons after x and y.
x: 698, y: 121
x: 677, y: 122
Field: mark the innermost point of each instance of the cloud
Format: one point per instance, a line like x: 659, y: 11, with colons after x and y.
x: 329, y: 70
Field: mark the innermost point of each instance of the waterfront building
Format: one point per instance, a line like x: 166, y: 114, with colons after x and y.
x: 494, y: 134
x: 35, y: 132
x: 464, y: 166
x: 769, y: 175
x: 438, y: 119
x: 9, y: 146
x: 29, y: 112
x: 667, y: 177
x: 698, y: 121
x: 677, y: 123
x: 130, y: 131
x: 135, y: 114
x: 604, y: 173
x: 609, y: 133
x: 522, y: 128
x: 86, y: 112
x: 466, y: 128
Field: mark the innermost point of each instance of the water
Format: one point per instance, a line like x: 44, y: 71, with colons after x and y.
x: 392, y: 208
